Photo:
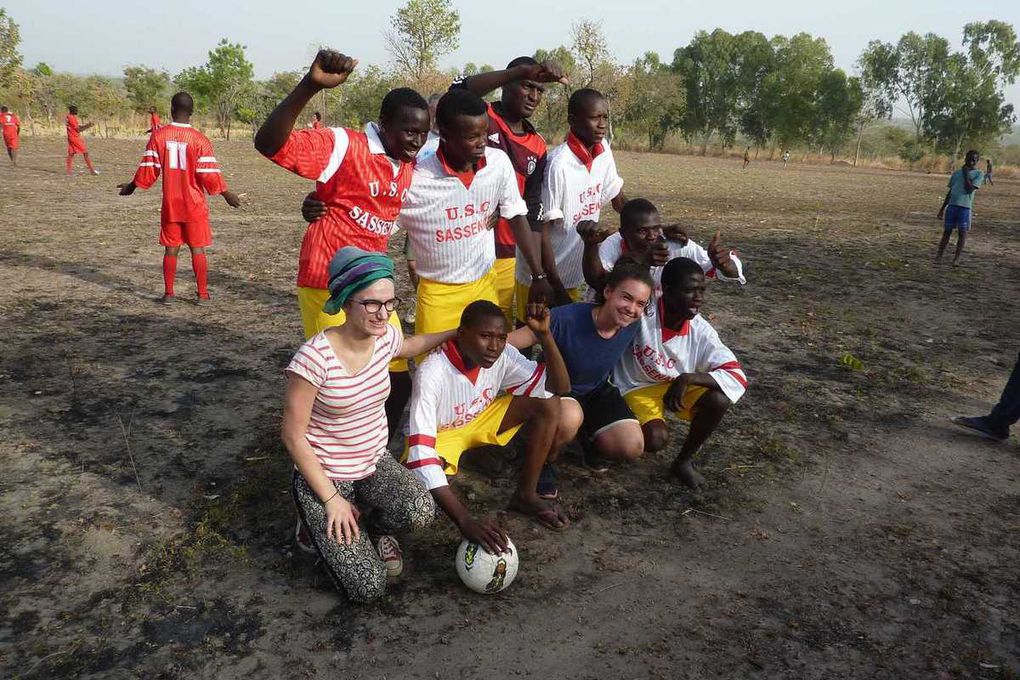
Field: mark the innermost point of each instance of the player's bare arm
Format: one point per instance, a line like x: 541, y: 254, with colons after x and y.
x: 673, y: 398
x: 231, y: 198
x: 945, y: 202
x: 312, y: 208
x: 127, y: 188
x: 484, y: 531
x: 539, y: 322
x: 329, y: 69
x: 415, y: 345
x: 591, y: 264
x: 560, y: 295
x: 547, y: 72
x: 618, y: 202
x: 719, y: 254
x: 540, y: 290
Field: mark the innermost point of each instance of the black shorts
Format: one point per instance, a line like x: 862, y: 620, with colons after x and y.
x: 602, y: 407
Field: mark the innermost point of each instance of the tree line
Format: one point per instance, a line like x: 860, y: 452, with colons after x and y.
x: 720, y: 89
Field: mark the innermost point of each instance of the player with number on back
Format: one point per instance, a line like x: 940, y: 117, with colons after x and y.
x: 184, y: 156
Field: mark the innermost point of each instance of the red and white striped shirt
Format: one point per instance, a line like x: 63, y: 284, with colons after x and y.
x: 362, y: 188
x: 576, y: 187
x: 660, y: 355
x: 447, y: 395
x: 190, y: 170
x: 347, y: 428
x: 446, y: 215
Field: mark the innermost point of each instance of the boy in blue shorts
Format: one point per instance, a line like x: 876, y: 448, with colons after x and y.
x: 957, y: 204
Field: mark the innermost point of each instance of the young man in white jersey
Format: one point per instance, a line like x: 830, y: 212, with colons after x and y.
x: 643, y: 236
x: 476, y: 390
x: 677, y: 363
x: 580, y: 178
x: 447, y: 212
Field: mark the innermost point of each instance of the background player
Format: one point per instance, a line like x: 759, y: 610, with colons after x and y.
x: 361, y: 176
x: 184, y: 156
x: 521, y: 85
x: 11, y: 133
x: 958, y: 203
x: 679, y: 364
x: 75, y: 143
x: 316, y: 121
x: 154, y: 120
x: 580, y: 178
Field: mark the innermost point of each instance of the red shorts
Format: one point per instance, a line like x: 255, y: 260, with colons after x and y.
x: 76, y: 146
x: 11, y: 143
x: 195, y: 234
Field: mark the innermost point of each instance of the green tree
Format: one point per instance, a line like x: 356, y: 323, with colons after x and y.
x: 658, y: 108
x: 221, y: 83
x: 754, y: 58
x: 591, y: 48
x: 146, y: 87
x: 42, y: 69
x: 801, y: 63
x: 362, y: 94
x: 422, y: 32
x: 711, y: 86
x: 10, y: 58
x: 837, y: 106
x: 107, y: 99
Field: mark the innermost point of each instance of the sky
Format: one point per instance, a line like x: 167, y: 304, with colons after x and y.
x: 102, y: 36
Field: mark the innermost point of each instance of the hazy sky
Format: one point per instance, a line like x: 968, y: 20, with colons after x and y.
x: 102, y: 36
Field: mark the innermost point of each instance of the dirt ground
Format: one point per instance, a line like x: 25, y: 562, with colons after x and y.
x: 849, y: 532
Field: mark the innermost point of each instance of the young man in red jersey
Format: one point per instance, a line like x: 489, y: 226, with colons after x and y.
x: 75, y: 143
x: 361, y: 176
x: 522, y: 84
x: 11, y: 133
x: 184, y: 156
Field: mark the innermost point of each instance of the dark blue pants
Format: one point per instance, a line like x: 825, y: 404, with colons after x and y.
x: 1007, y: 411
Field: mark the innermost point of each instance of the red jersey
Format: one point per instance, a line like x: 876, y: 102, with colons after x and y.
x: 316, y: 124
x: 75, y: 144
x: 185, y: 157
x: 362, y: 187
x: 527, y: 152
x: 10, y: 124
x: 153, y: 121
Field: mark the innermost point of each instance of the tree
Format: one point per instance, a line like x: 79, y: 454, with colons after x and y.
x: 754, y: 59
x: 837, y: 107
x: 877, y: 66
x: 801, y: 63
x: 589, y: 44
x: 553, y: 120
x: 146, y: 87
x: 10, y: 58
x: 423, y: 31
x: 107, y: 100
x: 221, y: 83
x: 658, y: 108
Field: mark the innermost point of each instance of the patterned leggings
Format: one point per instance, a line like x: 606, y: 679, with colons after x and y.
x: 391, y: 501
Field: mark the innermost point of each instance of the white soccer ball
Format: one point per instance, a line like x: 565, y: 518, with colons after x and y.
x: 483, y: 572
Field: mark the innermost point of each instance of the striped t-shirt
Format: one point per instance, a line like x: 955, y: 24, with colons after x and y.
x: 347, y: 428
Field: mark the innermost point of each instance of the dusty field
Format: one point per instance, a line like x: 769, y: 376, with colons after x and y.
x: 850, y: 532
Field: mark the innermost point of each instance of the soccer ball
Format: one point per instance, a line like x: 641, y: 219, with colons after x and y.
x: 483, y: 572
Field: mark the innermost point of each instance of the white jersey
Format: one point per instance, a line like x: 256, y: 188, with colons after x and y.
x: 429, y: 148
x: 613, y: 247
x: 446, y: 215
x: 660, y: 355
x: 575, y: 188
x: 447, y: 396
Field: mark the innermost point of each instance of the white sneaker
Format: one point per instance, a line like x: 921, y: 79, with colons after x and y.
x: 392, y: 557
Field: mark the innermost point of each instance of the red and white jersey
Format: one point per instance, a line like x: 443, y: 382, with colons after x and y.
x: 447, y: 395
x: 10, y: 123
x: 660, y: 355
x: 362, y: 187
x: 577, y: 184
x: 347, y: 428
x: 185, y: 158
x: 446, y: 215
x: 614, y: 247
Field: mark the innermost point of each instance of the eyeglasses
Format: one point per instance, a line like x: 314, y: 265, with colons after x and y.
x: 373, y: 306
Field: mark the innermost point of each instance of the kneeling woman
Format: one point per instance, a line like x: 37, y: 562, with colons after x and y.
x: 346, y: 485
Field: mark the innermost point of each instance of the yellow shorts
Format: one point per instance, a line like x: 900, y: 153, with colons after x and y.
x: 504, y: 269
x: 441, y: 304
x: 482, y: 431
x: 521, y: 291
x: 646, y: 402
x: 314, y: 320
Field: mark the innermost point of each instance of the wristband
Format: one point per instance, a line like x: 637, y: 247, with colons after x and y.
x: 331, y: 497
x: 538, y: 277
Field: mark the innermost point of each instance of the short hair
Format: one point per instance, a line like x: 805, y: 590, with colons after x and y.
x: 459, y: 102
x: 581, y: 98
x: 678, y: 269
x: 182, y: 101
x: 971, y: 152
x: 317, y: 115
x: 634, y: 208
x: 397, y: 99
x: 73, y: 110
x: 478, y: 310
x: 522, y: 61
x: 3, y: 108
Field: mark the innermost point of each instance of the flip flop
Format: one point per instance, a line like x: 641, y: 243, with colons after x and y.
x: 549, y: 517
